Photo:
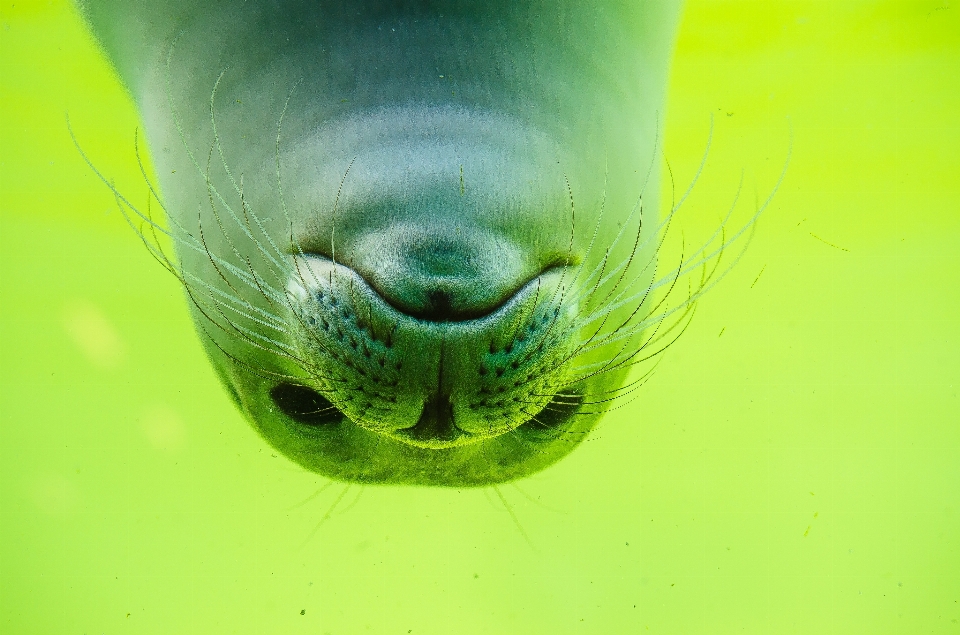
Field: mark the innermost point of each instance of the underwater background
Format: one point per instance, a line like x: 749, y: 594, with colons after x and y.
x: 792, y: 466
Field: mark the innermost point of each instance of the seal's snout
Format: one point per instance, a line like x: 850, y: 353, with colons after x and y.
x: 440, y: 274
x: 431, y: 383
x: 417, y: 237
x: 428, y: 303
x: 436, y: 427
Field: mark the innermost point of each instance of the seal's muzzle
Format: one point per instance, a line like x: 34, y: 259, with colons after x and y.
x: 431, y: 384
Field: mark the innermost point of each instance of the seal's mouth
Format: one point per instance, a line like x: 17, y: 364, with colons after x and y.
x: 432, y: 275
x: 426, y: 383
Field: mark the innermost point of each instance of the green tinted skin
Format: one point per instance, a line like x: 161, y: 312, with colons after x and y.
x: 409, y: 232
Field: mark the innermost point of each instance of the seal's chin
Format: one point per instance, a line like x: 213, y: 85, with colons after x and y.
x: 450, y: 372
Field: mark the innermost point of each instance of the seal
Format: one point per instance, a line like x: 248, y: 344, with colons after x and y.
x: 418, y: 237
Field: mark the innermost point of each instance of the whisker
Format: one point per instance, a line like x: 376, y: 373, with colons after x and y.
x: 516, y: 521
x: 238, y: 187
x: 320, y: 490
x: 326, y: 516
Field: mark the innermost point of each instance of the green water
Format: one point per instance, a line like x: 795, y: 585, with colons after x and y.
x: 793, y: 466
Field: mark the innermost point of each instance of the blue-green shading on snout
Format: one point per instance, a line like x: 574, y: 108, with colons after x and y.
x: 418, y: 238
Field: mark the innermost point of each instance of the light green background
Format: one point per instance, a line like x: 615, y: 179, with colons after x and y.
x: 792, y: 467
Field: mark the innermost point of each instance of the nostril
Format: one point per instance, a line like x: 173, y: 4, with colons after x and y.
x: 304, y: 405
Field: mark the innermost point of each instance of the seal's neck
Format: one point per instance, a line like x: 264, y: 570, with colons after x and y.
x: 552, y: 60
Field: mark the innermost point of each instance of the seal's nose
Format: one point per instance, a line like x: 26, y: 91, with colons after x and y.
x: 436, y: 426
x: 425, y: 383
x: 438, y: 274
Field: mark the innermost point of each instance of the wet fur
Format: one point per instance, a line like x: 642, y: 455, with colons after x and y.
x: 600, y: 293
